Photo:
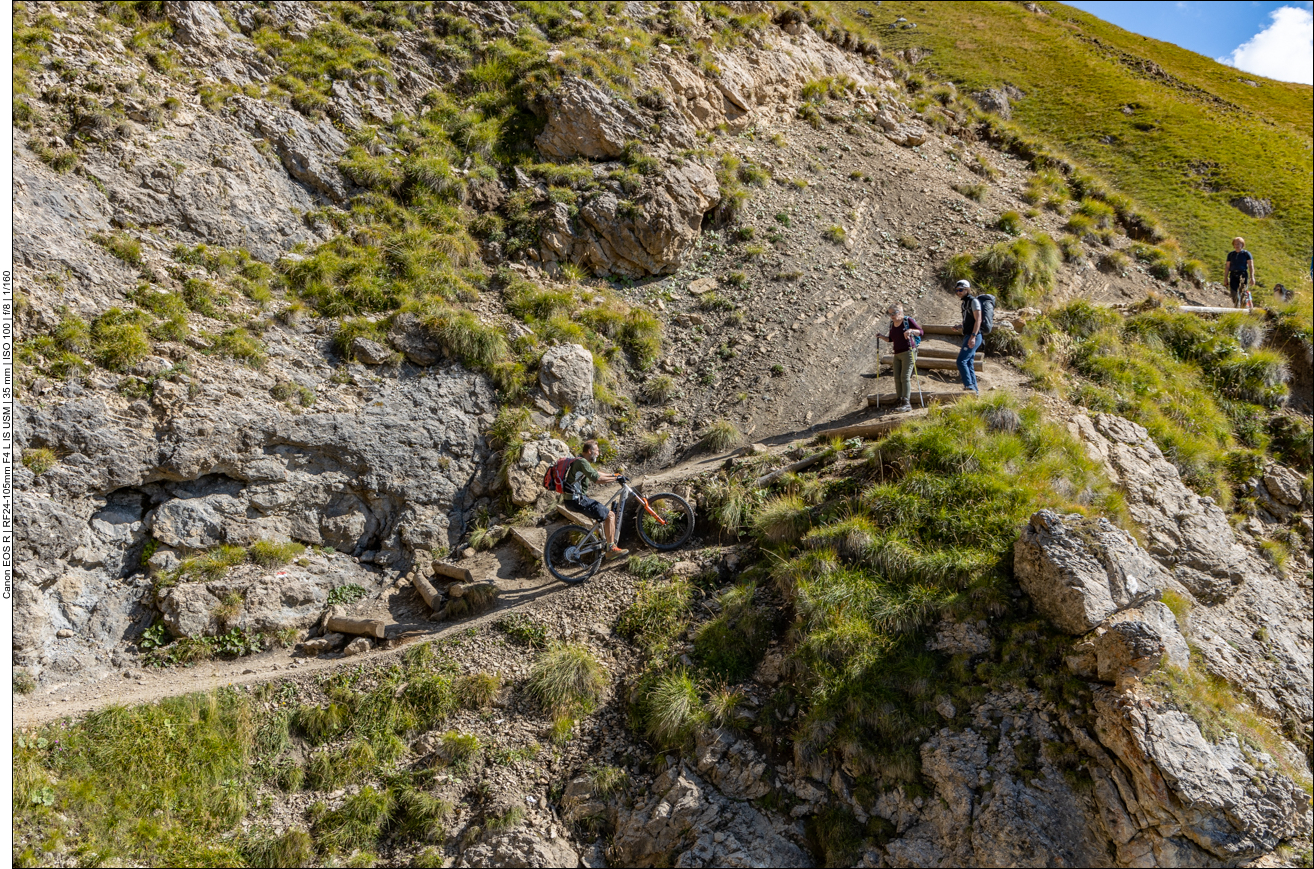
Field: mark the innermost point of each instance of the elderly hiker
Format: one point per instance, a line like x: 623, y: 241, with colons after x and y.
x: 905, y: 334
x: 1240, y: 271
x: 971, y: 332
x: 579, y: 476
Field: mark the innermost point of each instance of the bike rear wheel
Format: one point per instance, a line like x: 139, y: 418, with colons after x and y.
x: 573, y: 554
x: 675, y: 512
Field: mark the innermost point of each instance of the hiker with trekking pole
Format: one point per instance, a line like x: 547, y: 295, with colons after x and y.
x: 905, y: 336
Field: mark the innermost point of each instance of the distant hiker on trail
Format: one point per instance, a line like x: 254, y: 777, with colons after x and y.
x: 1240, y: 272
x: 905, y: 334
x: 579, y: 476
x: 971, y: 332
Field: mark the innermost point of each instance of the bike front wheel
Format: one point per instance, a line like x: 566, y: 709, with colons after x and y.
x: 673, y: 525
x: 573, y: 554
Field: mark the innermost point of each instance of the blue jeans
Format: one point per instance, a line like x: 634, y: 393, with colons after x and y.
x: 965, y: 369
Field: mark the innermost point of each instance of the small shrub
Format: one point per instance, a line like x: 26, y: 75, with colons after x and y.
x: 659, y: 389
x: 657, y: 616
x: 908, y: 242
x: 835, y: 234
x: 523, y: 630
x: 268, y: 554
x: 974, y: 192
x: 477, y: 690
x: 783, y: 519
x: 1011, y: 222
x: 23, y: 682
x: 568, y: 678
x: 39, y: 460
x: 720, y: 435
x: 345, y: 594
x: 671, y: 709
x: 651, y: 445
x: 121, y: 246
x: 1115, y: 262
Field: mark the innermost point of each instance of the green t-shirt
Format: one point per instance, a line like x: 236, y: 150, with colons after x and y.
x: 579, y: 476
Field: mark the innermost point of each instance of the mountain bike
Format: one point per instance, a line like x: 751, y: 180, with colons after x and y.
x: 665, y: 521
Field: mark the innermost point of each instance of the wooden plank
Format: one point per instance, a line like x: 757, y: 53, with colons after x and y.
x: 938, y: 353
x: 360, y: 627
x: 431, y: 595
x: 937, y: 364
x: 865, y: 429
x: 941, y: 329
x: 451, y: 571
x: 1210, y: 309
x: 890, y: 399
x: 770, y: 478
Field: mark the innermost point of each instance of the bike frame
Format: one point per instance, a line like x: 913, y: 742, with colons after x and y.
x: 617, y: 505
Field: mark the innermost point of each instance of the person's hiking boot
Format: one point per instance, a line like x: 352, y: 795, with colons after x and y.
x: 616, y: 552
x: 903, y: 408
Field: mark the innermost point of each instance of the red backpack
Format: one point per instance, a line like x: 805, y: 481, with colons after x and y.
x: 555, y: 478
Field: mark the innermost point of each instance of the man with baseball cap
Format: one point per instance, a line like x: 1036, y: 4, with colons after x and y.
x: 971, y: 330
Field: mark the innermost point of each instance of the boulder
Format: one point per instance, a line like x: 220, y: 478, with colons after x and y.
x: 1248, y: 622
x: 1284, y: 485
x: 684, y: 821
x: 1231, y: 804
x: 731, y: 764
x: 566, y: 375
x: 369, y: 352
x: 650, y: 234
x: 1181, y: 527
x: 520, y: 848
x: 410, y: 338
x: 358, y: 646
x: 197, y: 24
x: 994, y: 100
x: 586, y: 121
x: 1080, y: 571
x: 1249, y: 205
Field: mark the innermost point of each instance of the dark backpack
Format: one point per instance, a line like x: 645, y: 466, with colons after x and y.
x: 916, y: 339
x: 555, y: 478
x: 987, y: 312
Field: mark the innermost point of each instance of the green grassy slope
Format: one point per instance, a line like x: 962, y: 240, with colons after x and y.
x: 1197, y: 135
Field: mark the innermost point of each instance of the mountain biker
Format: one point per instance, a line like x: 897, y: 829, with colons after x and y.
x: 579, y: 476
x: 904, y: 332
x: 1240, y: 270
x: 971, y: 332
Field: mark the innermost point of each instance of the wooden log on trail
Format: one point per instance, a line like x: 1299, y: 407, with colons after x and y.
x: 939, y: 353
x: 890, y: 399
x: 938, y: 364
x: 768, y: 479
x: 424, y: 587
x: 941, y: 329
x: 1210, y: 309
x: 864, y: 429
x: 451, y: 571
x: 361, y: 627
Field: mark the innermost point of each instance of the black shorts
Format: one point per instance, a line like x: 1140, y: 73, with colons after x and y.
x: 586, y: 506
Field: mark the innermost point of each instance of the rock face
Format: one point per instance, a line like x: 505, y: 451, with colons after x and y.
x: 1178, y: 800
x: 586, y: 121
x: 1234, y: 592
x: 521, y: 849
x: 685, y: 822
x: 293, y: 597
x: 1253, y: 207
x: 1079, y: 572
x: 566, y: 375
x: 388, y: 476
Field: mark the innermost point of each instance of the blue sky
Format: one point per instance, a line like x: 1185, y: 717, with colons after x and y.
x: 1272, y: 39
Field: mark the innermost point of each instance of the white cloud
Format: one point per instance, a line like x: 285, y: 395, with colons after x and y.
x: 1284, y: 50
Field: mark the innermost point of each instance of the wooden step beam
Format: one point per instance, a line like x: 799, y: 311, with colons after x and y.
x: 889, y: 399
x: 939, y: 353
x: 360, y: 627
x: 865, y: 429
x: 937, y: 364
x: 941, y: 329
x: 1210, y: 309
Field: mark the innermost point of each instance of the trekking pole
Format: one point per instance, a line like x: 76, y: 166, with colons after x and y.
x: 921, y: 397
x: 878, y: 372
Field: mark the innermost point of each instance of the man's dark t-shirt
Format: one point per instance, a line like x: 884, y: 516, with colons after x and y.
x: 971, y: 306
x: 1237, y: 261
